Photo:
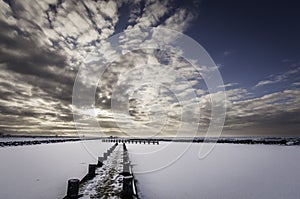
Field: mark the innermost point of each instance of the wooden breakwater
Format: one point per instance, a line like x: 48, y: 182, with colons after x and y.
x: 35, y: 142
x: 111, y: 176
x: 129, y: 187
x: 132, y: 141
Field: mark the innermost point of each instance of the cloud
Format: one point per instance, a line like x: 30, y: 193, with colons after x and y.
x: 296, y: 84
x: 151, y: 84
x: 268, y: 114
x: 44, y: 44
x: 180, y: 21
x: 279, y: 78
x: 228, y: 85
x: 227, y: 53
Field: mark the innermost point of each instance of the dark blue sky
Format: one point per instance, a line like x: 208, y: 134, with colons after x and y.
x: 260, y: 37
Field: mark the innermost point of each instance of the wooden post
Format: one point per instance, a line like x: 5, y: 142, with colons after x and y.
x: 105, y: 156
x: 126, y: 169
x: 73, y: 189
x: 100, y: 161
x: 92, y: 170
x: 125, y: 158
x: 127, y: 187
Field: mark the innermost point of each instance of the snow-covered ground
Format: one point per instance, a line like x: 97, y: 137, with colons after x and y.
x: 42, y: 171
x: 229, y: 171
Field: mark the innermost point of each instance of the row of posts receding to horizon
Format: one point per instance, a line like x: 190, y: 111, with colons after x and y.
x: 132, y: 141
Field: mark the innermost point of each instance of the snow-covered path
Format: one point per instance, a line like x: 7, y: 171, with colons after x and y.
x: 108, y: 181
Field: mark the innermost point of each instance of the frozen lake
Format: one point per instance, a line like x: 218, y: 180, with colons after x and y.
x: 230, y: 171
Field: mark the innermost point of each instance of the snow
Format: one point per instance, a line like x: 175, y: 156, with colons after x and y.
x: 230, y: 171
x: 42, y: 171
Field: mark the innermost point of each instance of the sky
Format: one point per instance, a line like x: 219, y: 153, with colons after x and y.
x: 62, y: 75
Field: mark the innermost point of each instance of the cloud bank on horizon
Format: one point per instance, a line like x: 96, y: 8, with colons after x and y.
x: 44, y: 44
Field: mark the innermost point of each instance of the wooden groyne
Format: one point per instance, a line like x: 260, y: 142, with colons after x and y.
x: 110, y: 177
x: 132, y: 141
x: 35, y: 142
